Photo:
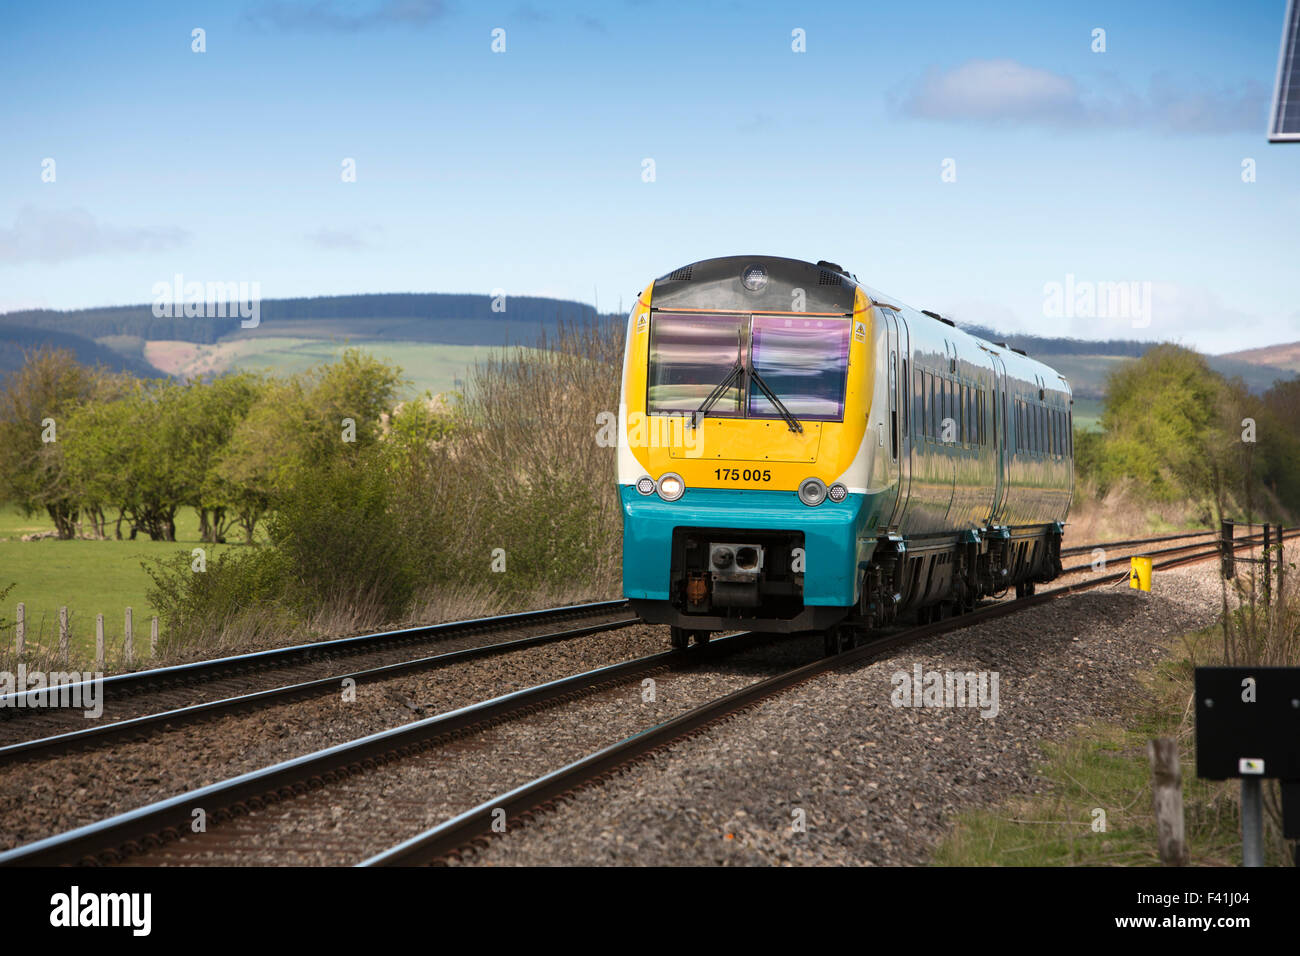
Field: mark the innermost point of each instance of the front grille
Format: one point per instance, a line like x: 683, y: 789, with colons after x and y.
x: 830, y: 278
x: 681, y: 275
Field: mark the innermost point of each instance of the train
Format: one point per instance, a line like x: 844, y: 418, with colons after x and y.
x: 799, y: 453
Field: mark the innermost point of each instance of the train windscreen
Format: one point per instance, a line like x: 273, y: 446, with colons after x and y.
x: 804, y: 362
x: 690, y: 355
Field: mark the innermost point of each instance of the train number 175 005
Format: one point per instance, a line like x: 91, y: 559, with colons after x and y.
x: 745, y: 474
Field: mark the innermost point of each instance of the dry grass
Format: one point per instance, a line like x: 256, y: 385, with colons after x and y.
x: 1125, y: 512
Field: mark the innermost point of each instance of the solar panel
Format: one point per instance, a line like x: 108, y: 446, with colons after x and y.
x: 1285, y: 125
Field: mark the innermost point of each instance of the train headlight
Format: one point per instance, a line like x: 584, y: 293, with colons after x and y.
x: 812, y: 492
x: 837, y: 493
x: 754, y: 278
x: 671, y: 487
x: 646, y: 485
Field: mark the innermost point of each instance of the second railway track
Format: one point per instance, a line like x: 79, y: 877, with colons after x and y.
x: 185, y: 687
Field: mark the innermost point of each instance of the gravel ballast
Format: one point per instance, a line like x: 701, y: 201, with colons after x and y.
x: 875, y: 783
x: 42, y: 796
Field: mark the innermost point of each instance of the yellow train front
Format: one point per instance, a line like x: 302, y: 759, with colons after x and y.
x: 798, y: 452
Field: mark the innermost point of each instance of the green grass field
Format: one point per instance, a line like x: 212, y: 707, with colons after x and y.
x: 88, y: 577
x: 432, y: 367
x: 1087, y: 414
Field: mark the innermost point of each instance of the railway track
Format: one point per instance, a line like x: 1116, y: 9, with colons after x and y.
x: 135, y: 728
x: 182, y: 691
x: 143, y: 702
x: 160, y: 832
x: 475, y: 827
x: 145, y: 835
x: 1089, y: 548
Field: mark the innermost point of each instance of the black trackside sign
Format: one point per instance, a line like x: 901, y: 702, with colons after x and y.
x: 1248, y: 722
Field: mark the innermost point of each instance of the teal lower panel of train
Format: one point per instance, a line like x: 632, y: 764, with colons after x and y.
x: 721, y: 559
x: 834, y: 538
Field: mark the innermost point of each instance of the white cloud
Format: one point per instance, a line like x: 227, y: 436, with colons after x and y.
x: 994, y: 91
x: 1007, y: 92
x: 337, y: 239
x: 41, y: 235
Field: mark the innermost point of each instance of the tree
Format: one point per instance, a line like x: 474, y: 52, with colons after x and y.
x: 35, y: 405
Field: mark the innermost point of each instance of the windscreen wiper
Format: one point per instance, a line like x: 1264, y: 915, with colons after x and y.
x: 719, y: 390
x: 790, y: 420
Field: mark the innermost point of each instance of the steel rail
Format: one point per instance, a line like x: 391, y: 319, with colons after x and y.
x: 1082, y: 548
x: 136, y: 830
x: 136, y: 682
x: 474, y: 827
x: 139, y: 727
x: 154, y: 824
x: 1243, y: 541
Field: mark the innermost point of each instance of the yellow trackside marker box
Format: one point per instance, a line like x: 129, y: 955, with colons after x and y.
x: 1139, y: 575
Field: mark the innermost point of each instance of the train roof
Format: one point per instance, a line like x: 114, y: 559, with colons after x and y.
x: 768, y: 284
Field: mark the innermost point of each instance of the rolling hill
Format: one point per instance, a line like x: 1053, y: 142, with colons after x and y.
x: 435, y: 337
x: 1279, y: 356
x: 15, y: 340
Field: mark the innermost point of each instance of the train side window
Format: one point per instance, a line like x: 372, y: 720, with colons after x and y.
x: 965, y: 414
x: 958, y: 398
x: 893, y: 406
x: 922, y: 405
x: 945, y: 403
x: 960, y: 395
x: 929, y: 405
x: 927, y: 397
x: 920, y: 402
x: 907, y: 400
x: 936, y: 404
x: 971, y: 425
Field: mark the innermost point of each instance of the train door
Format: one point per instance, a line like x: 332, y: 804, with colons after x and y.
x: 1002, y: 453
x: 898, y: 421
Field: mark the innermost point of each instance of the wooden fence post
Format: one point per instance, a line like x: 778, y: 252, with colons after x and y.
x: 128, y: 641
x: 1268, y: 567
x: 20, y: 629
x: 99, y: 642
x: 1281, y: 561
x: 63, y: 635
x: 153, y: 637
x: 1167, y: 798
x: 1227, y: 558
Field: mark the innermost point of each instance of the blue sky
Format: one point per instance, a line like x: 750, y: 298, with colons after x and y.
x: 523, y: 170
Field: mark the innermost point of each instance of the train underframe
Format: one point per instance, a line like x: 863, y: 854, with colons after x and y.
x: 728, y: 579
